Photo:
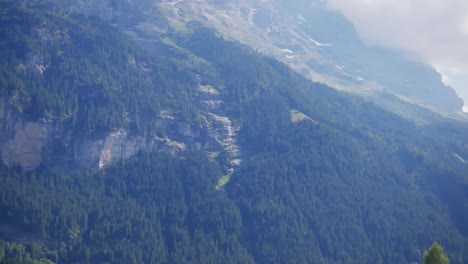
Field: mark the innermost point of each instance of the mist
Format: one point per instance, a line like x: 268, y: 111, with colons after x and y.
x: 435, y: 31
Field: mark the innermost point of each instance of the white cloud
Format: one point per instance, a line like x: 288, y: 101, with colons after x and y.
x: 436, y: 31
x: 460, y: 81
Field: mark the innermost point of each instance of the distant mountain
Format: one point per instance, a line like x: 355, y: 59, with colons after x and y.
x: 321, y: 45
x: 131, y: 133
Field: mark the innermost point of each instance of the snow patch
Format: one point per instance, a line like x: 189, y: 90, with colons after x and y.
x: 176, y: 2
x: 319, y: 44
x: 339, y: 67
x: 460, y: 158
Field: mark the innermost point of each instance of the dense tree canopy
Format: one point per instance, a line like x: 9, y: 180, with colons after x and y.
x: 87, y: 73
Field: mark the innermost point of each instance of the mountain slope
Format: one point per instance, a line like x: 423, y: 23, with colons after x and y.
x: 311, y: 39
x: 321, y: 45
x: 316, y: 175
x: 76, y: 92
x: 345, y: 165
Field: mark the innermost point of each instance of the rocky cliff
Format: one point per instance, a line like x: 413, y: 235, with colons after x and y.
x: 50, y: 143
x: 31, y: 144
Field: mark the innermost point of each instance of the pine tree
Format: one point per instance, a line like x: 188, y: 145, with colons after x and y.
x: 435, y: 255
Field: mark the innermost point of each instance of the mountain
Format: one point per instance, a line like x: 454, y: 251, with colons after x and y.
x: 125, y: 141
x: 77, y: 93
x: 321, y: 45
x: 305, y: 35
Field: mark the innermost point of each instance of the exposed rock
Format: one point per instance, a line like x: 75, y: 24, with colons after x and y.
x: 212, y: 105
x: 25, y: 147
x: 119, y: 145
x: 36, y: 63
x: 31, y: 144
x: 220, y: 127
x: 226, y: 136
x: 115, y: 148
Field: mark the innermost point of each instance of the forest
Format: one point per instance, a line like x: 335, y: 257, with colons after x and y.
x: 347, y: 182
x: 96, y: 79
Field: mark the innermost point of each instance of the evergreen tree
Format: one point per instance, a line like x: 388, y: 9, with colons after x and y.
x: 435, y: 255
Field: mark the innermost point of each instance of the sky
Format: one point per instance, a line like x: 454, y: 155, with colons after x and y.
x: 435, y: 31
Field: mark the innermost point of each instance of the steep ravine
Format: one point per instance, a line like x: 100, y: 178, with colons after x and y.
x: 221, y: 128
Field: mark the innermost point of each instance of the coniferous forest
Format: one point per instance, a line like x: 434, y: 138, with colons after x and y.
x: 326, y: 176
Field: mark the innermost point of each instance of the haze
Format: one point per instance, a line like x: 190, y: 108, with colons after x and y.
x: 435, y: 31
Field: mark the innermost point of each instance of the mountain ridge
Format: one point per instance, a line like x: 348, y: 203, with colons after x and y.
x: 267, y: 28
x: 274, y: 27
x: 230, y: 176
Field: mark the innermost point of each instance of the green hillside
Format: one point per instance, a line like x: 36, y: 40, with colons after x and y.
x: 325, y: 177
x: 86, y: 72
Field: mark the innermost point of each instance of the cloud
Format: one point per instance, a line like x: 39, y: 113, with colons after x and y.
x: 436, y: 31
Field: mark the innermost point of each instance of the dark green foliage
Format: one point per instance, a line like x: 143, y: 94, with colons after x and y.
x: 358, y: 179
x: 154, y: 209
x: 11, y: 253
x: 435, y: 255
x: 86, y: 73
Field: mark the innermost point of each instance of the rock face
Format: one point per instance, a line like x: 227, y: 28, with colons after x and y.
x: 25, y: 145
x: 221, y: 128
x: 31, y: 144
x: 119, y: 145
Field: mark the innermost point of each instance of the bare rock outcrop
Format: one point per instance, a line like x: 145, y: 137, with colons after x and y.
x: 33, y: 143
